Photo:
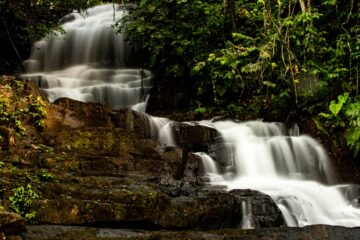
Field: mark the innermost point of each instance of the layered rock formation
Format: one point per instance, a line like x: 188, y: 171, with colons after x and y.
x: 97, y: 166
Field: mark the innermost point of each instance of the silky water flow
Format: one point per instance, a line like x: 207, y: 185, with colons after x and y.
x: 91, y: 63
x: 293, y: 169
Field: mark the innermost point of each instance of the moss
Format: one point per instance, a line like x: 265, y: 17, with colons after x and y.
x: 120, y: 214
x: 96, y: 140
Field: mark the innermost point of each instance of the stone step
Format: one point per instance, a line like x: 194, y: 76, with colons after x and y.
x: 140, y: 207
x: 101, y: 191
x: 316, y: 232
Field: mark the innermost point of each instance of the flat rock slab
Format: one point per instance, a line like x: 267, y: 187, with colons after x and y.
x: 145, y: 206
x: 316, y: 232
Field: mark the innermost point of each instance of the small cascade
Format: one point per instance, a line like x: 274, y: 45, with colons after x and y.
x: 90, y: 62
x: 247, y: 221
x: 208, y: 163
x: 265, y: 150
x: 161, y: 129
x: 209, y: 168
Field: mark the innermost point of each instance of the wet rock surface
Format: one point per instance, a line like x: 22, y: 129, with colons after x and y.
x: 317, y: 232
x: 109, y: 170
x: 100, y: 167
x: 194, y: 137
x: 11, y: 223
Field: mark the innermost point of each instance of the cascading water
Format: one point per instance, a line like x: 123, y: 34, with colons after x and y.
x: 293, y: 170
x: 161, y: 129
x: 90, y: 62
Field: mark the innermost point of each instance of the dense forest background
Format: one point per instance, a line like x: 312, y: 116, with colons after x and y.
x: 276, y: 59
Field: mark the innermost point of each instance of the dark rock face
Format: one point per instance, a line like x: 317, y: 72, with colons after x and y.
x: 132, y: 121
x: 265, y: 213
x: 93, y: 114
x: 194, y: 138
x: 11, y: 223
x: 148, y: 206
x: 7, y: 137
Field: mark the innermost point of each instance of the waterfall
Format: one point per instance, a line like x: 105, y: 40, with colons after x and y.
x: 90, y: 62
x: 294, y: 170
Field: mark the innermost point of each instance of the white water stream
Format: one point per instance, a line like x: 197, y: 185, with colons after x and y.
x: 90, y: 62
x: 294, y: 170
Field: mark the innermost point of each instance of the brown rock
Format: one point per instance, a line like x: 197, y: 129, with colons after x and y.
x: 11, y: 223
x: 196, y: 138
x: 7, y: 139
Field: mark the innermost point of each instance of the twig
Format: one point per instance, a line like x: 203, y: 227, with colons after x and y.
x: 10, y: 39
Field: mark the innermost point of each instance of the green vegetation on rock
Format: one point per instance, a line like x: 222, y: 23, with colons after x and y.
x: 18, y: 109
x: 21, y: 201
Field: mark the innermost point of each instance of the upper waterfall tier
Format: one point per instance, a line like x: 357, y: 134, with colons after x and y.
x: 88, y: 39
x: 89, y: 62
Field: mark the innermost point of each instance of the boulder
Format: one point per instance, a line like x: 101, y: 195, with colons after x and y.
x: 11, y: 223
x: 194, y: 137
x: 93, y: 114
x: 261, y: 209
x: 7, y: 139
x: 134, y: 122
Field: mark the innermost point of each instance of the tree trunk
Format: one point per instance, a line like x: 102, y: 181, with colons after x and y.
x: 230, y: 8
x: 303, y: 5
x: 267, y: 14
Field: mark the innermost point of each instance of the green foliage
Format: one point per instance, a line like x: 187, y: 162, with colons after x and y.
x: 175, y: 34
x: 277, y: 52
x: 335, y: 107
x: 14, y: 110
x: 19, y: 85
x: 234, y: 110
x: 37, y: 110
x: 4, y: 106
x: 200, y: 110
x: 330, y: 121
x: 45, y: 176
x: 344, y: 115
x: 11, y: 114
x: 352, y: 114
x: 21, y: 201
